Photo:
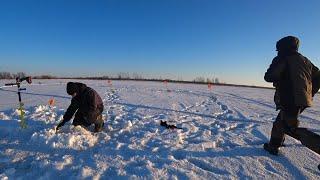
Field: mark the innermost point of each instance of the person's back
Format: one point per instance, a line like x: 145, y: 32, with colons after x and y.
x: 90, y: 105
x: 301, y: 71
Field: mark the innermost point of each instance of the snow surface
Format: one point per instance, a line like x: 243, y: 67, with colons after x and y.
x: 222, y: 133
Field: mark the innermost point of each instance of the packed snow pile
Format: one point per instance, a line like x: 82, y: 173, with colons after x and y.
x: 3, y: 116
x: 219, y: 134
x: 74, y: 137
x: 45, y: 113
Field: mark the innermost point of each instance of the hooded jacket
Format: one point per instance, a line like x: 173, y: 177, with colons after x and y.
x: 295, y: 78
x: 87, y: 104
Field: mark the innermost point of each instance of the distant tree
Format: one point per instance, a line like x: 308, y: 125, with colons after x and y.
x: 199, y: 79
x: 105, y: 77
x: 123, y: 75
x: 216, y: 80
x: 20, y: 75
x: 5, y: 75
x: 45, y: 76
x: 136, y: 76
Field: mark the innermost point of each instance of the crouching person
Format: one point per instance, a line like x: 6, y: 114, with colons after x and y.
x: 87, y: 106
x: 296, y: 81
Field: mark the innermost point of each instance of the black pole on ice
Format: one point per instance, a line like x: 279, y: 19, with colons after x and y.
x: 17, y: 83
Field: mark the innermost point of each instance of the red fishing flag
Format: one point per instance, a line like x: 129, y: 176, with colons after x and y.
x: 51, y: 102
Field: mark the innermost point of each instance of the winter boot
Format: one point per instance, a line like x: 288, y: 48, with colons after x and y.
x: 282, y: 143
x: 98, y: 127
x: 272, y: 150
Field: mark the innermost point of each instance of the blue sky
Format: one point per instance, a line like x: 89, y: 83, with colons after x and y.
x: 233, y: 40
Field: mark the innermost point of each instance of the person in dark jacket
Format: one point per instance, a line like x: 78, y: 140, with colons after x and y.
x: 296, y: 81
x: 87, y: 106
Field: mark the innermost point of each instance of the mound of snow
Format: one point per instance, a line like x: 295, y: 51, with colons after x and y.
x: 69, y: 137
x: 128, y: 125
x: 4, y: 116
x: 46, y: 114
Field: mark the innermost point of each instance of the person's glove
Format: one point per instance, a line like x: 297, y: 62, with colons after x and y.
x: 60, y: 125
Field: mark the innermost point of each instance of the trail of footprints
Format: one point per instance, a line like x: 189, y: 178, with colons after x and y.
x: 193, y: 127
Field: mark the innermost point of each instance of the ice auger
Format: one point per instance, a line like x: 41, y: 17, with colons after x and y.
x: 21, y: 105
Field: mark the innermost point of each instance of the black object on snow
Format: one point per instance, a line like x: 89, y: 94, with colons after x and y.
x: 164, y: 123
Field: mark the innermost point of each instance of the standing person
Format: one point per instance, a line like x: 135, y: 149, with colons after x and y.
x: 296, y: 80
x: 87, y: 106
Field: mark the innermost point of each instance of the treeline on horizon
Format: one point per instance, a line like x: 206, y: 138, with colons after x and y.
x: 128, y: 76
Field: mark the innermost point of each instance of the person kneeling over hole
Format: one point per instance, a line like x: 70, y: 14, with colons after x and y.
x: 87, y: 106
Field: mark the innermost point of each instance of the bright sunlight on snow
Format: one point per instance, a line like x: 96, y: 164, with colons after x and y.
x: 221, y: 136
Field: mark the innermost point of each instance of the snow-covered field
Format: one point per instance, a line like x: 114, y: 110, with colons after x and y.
x: 222, y: 133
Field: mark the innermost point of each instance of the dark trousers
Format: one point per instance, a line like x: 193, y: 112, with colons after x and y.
x: 84, y: 123
x: 285, y: 123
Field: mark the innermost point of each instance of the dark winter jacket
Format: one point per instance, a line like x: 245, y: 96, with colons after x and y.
x: 87, y: 104
x: 295, y: 78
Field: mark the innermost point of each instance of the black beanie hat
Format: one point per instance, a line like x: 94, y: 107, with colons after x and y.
x: 289, y: 43
x: 72, y: 88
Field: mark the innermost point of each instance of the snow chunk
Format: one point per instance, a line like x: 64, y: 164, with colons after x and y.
x: 67, y: 159
x: 128, y: 125
x: 88, y: 172
x: 4, y: 116
x: 3, y: 177
x: 45, y: 113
